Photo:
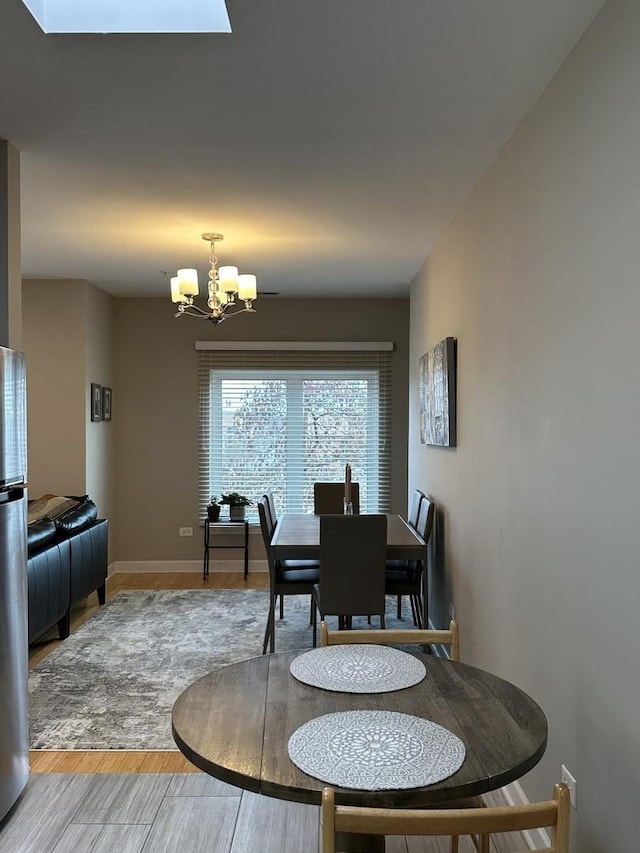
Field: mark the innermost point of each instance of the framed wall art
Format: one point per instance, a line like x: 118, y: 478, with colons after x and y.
x: 438, y: 394
x: 96, y: 402
x: 106, y: 403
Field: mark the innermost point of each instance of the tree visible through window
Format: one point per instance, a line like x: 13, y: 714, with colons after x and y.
x: 284, y: 430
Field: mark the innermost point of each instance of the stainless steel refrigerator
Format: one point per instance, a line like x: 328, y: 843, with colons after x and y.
x: 14, y: 650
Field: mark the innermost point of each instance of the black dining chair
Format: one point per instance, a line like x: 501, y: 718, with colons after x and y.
x: 272, y: 507
x: 412, y: 518
x: 328, y: 498
x: 286, y: 577
x: 404, y: 577
x: 414, y: 507
x: 352, y: 568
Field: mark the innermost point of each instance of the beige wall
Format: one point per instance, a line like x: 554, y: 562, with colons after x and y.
x: 67, y: 340
x: 10, y: 286
x: 537, y: 278
x: 99, y: 368
x: 155, y: 409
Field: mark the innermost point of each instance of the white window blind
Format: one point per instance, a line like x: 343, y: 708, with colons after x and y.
x: 281, y: 420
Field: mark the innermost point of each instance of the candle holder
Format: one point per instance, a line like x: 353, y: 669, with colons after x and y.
x: 348, y: 507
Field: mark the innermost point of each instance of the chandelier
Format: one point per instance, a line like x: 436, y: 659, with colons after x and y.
x: 224, y: 287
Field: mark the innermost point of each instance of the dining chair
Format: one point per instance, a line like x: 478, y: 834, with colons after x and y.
x: 352, y: 567
x: 286, y: 577
x: 412, y: 519
x: 414, y: 507
x: 328, y: 498
x: 272, y: 507
x: 404, y: 577
x: 552, y: 813
x: 396, y: 636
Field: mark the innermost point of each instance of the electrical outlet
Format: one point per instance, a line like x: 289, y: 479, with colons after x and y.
x: 185, y: 531
x: 572, y: 785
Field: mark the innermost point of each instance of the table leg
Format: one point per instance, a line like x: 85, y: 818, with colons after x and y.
x: 355, y: 842
x: 352, y: 842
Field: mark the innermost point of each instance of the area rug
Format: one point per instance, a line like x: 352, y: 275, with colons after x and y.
x: 112, y: 684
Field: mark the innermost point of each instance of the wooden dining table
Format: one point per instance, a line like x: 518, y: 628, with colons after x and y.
x: 297, y: 537
x: 235, y: 724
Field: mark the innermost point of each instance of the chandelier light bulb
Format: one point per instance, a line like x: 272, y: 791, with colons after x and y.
x: 188, y: 279
x: 247, y: 287
x: 228, y: 279
x: 176, y: 296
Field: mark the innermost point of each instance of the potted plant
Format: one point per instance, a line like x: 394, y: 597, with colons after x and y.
x: 237, y: 504
x: 213, y: 509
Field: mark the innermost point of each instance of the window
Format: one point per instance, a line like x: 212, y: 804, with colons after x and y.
x: 281, y: 421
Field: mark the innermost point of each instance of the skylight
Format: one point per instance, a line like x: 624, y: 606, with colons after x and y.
x: 130, y: 16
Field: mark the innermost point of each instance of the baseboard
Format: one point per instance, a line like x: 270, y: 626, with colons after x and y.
x: 514, y: 795
x: 179, y: 566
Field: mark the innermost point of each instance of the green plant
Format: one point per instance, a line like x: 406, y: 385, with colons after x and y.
x: 235, y: 499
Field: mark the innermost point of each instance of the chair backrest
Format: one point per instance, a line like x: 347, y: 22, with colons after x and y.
x: 271, y: 504
x: 414, y: 507
x: 328, y: 498
x: 353, y: 552
x: 552, y: 813
x: 400, y: 636
x: 424, y: 523
x: 267, y: 528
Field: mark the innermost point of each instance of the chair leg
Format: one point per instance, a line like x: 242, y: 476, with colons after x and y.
x: 269, y: 633
x: 414, y: 615
x: 382, y: 621
x: 399, y: 607
x: 311, y: 609
x: 314, y: 622
x: 281, y: 606
x: 454, y: 844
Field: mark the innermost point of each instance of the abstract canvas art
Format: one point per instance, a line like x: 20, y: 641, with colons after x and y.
x: 438, y: 395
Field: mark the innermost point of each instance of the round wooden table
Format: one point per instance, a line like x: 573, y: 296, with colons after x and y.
x: 235, y: 724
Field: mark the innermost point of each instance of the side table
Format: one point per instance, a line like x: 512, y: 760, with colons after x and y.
x: 211, y: 527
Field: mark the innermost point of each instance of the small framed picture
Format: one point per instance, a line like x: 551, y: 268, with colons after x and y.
x: 106, y: 403
x: 96, y: 402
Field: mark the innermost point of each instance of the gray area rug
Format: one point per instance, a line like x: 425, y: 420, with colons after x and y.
x: 112, y: 684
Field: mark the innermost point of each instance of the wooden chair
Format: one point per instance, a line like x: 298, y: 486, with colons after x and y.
x: 286, y: 577
x: 552, y: 813
x: 404, y: 577
x: 352, y: 565
x: 397, y: 636
x: 328, y: 498
x: 403, y: 636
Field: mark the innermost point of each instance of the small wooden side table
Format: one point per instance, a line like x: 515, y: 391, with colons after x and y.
x: 211, y: 527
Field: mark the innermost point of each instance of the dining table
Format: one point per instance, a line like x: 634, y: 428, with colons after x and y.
x: 236, y: 723
x: 297, y: 537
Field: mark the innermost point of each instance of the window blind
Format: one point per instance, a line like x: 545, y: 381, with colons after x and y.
x: 281, y: 420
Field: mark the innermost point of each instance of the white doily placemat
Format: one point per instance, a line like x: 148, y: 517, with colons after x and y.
x: 358, y: 668
x: 376, y: 750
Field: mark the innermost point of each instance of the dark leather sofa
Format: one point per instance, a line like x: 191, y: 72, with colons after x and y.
x: 67, y: 560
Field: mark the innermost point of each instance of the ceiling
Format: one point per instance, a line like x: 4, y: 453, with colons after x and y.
x: 330, y: 141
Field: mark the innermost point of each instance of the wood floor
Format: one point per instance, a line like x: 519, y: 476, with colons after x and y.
x: 138, y: 802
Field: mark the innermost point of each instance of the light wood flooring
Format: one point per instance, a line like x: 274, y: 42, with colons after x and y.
x: 138, y: 802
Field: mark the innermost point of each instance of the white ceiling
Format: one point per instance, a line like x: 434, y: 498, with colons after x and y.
x: 330, y: 141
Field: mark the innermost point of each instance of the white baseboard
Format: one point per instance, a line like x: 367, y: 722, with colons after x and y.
x: 514, y: 795
x: 179, y: 566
